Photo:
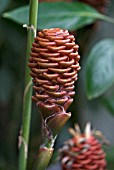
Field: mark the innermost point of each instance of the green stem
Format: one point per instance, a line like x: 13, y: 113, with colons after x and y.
x: 24, y: 138
x: 46, y: 150
x: 44, y: 157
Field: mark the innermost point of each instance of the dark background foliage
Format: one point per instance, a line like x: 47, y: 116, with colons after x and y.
x: 98, y: 111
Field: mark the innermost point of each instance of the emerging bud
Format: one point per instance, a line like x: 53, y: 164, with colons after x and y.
x: 83, y: 151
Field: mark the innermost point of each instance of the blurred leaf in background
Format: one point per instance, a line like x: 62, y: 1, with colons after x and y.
x: 108, y: 101
x: 100, y: 68
x: 3, y: 5
x: 65, y: 15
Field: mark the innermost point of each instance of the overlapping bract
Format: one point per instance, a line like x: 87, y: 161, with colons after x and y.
x: 54, y: 66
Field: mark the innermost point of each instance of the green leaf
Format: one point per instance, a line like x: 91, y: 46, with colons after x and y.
x: 19, y: 15
x: 59, y: 14
x: 65, y: 15
x: 3, y: 5
x: 108, y: 102
x: 100, y: 68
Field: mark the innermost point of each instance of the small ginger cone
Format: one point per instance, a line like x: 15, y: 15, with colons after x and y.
x: 84, y: 151
x: 54, y: 66
x: 100, y: 5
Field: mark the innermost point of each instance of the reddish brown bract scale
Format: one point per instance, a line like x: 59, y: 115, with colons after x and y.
x: 54, y: 66
x: 83, y: 153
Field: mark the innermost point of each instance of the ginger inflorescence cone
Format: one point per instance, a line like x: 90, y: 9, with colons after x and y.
x: 84, y: 151
x: 54, y: 64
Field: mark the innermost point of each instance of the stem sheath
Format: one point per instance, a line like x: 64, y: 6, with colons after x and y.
x: 24, y: 138
x: 44, y: 157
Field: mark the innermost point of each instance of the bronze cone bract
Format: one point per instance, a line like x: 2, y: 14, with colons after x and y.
x: 83, y: 152
x: 54, y: 66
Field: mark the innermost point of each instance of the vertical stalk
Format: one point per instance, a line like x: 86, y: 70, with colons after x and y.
x: 46, y: 149
x: 24, y: 136
x: 44, y: 157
